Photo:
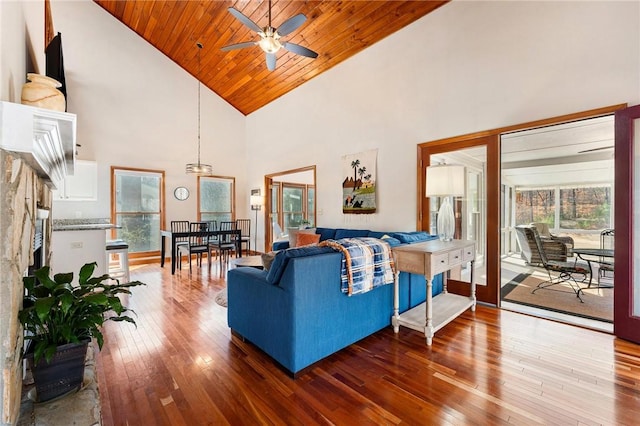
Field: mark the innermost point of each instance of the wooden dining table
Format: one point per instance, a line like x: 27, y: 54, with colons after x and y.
x: 235, y: 236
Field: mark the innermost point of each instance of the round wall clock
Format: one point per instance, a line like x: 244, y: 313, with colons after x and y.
x: 181, y: 193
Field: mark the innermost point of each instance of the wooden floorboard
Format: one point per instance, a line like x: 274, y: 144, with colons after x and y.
x: 182, y: 366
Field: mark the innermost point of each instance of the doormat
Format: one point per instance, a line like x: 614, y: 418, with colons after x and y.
x: 598, y: 302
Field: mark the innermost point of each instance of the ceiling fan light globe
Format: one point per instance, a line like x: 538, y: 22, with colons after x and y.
x: 269, y: 44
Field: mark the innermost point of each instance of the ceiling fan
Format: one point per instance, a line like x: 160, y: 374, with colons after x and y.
x: 270, y: 37
x: 602, y: 148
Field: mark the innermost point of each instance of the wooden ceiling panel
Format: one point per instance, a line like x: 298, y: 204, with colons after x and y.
x: 336, y: 30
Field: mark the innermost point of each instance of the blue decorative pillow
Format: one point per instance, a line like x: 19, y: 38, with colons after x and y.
x: 282, y: 259
x: 326, y: 233
x: 393, y: 242
x: 413, y: 237
x: 377, y: 234
x: 350, y: 233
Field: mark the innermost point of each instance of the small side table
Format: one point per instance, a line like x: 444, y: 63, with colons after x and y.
x: 432, y: 258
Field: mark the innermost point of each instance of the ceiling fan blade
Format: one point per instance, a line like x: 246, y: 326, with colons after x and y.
x: 291, y: 24
x: 271, y: 61
x: 595, y: 149
x: 239, y: 45
x: 299, y: 50
x: 244, y: 19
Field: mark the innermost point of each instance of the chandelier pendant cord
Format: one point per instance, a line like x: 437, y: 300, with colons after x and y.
x: 199, y: 84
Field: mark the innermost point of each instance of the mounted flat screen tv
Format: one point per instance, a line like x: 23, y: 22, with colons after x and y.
x: 55, y: 63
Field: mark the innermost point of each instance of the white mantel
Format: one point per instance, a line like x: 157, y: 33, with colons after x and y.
x: 44, y: 139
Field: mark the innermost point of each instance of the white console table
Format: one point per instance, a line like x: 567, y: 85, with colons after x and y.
x: 431, y: 258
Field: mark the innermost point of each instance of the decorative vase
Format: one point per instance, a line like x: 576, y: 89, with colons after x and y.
x: 42, y: 92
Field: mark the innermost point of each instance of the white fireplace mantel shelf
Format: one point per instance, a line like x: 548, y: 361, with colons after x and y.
x: 43, y: 138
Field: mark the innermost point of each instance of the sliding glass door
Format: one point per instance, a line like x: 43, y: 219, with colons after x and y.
x: 627, y: 241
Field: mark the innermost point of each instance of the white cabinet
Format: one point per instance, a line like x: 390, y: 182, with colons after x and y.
x: 72, y: 249
x: 81, y: 186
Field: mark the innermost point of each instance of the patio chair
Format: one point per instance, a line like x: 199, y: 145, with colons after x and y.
x: 565, y: 270
x: 605, y: 265
x: 545, y: 234
x: 555, y: 249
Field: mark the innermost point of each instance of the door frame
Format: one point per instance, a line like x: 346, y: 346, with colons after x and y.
x: 490, y: 293
x: 625, y: 325
x: 268, y: 182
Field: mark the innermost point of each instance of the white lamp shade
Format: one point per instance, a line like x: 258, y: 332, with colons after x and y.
x: 445, y: 180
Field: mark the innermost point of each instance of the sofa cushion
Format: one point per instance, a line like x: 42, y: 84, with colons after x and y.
x: 413, y: 237
x: 326, y: 233
x: 350, y: 233
x: 282, y: 259
x: 305, y: 239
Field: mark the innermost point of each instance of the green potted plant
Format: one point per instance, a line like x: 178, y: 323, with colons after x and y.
x: 60, y: 319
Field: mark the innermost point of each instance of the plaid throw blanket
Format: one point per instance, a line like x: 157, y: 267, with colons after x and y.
x: 367, y: 263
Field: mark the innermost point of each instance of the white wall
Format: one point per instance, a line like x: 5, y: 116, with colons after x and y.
x: 137, y: 108
x: 21, y: 45
x: 467, y: 67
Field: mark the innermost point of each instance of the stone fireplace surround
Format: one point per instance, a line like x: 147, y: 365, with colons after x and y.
x: 37, y: 149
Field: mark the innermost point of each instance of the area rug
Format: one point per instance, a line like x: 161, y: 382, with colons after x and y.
x: 221, y: 298
x: 598, y: 302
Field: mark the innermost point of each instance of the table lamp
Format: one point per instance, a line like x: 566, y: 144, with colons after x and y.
x: 445, y: 180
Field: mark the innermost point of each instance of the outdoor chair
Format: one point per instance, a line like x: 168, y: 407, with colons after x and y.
x: 565, y: 270
x: 545, y: 234
x: 605, y: 265
x: 555, y: 249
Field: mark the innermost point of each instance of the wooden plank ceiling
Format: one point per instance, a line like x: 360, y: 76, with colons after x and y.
x: 334, y: 29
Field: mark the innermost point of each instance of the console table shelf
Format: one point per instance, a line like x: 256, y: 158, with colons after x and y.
x: 431, y: 258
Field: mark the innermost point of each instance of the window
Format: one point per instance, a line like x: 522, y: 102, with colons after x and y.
x: 586, y: 208
x: 216, y: 198
x: 292, y: 205
x: 535, y: 205
x: 137, y: 207
x: 582, y: 208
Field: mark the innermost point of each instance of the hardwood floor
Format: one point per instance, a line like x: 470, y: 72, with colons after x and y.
x: 182, y: 366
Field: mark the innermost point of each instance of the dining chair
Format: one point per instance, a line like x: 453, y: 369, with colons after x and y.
x: 244, y: 225
x: 225, y: 243
x: 180, y: 226
x: 198, y: 243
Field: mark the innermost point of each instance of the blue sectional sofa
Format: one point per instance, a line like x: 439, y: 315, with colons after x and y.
x: 296, y: 312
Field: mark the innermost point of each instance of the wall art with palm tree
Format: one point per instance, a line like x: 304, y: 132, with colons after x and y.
x: 359, y: 184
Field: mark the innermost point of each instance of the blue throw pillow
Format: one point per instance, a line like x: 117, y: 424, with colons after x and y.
x: 282, y: 259
x: 413, y: 237
x: 393, y: 242
x: 350, y: 233
x: 326, y: 233
x: 377, y: 234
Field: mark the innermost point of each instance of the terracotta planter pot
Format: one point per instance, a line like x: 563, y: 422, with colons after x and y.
x: 64, y: 374
x: 42, y: 92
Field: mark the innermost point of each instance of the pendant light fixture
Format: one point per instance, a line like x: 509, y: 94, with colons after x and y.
x: 199, y: 168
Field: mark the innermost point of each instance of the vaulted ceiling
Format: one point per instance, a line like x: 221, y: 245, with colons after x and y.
x: 334, y: 29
